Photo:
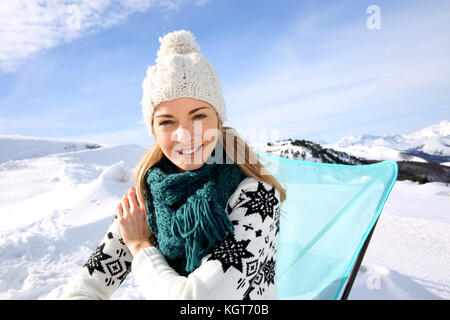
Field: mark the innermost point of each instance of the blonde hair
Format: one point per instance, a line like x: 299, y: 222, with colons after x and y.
x: 238, y: 151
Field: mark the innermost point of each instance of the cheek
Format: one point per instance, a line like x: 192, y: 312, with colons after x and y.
x: 211, y: 134
x: 164, y: 140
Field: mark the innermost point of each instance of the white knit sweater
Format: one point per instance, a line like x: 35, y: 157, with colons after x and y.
x: 240, y: 267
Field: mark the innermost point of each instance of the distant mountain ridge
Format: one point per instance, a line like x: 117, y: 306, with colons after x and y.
x: 21, y: 147
x: 418, y: 155
x: 306, y: 150
x: 430, y: 144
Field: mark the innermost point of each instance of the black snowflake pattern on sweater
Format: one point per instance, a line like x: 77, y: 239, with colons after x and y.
x: 231, y: 253
x: 257, y: 273
x: 261, y: 201
x: 265, y: 275
x: 95, y: 261
x: 114, y: 266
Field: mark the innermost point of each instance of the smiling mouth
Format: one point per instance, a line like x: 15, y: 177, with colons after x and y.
x: 189, y: 152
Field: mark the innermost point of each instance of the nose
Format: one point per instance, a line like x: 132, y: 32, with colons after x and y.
x: 182, y: 135
x: 186, y: 134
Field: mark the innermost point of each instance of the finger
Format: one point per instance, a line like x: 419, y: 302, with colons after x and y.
x: 125, y: 206
x: 139, y: 203
x: 137, y: 199
x: 119, y: 210
x: 132, y: 199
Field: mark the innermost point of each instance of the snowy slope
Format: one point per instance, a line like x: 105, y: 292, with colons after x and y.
x: 21, y: 147
x: 56, y: 208
x: 433, y: 140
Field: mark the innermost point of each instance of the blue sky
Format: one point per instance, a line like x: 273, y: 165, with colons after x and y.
x: 294, y: 69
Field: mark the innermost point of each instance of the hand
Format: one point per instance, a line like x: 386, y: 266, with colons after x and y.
x: 132, y: 222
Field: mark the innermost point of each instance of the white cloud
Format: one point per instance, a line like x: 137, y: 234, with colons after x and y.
x: 28, y: 27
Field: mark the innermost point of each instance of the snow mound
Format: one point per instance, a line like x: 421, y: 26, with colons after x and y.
x: 118, y: 172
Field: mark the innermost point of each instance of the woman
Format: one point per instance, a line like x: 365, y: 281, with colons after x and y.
x: 203, y: 221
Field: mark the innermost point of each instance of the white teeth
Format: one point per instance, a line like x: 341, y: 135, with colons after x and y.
x: 188, y: 152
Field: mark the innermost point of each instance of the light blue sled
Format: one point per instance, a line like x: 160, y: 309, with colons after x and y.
x: 329, y: 213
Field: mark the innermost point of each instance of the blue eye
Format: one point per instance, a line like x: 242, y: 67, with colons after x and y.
x: 164, y: 122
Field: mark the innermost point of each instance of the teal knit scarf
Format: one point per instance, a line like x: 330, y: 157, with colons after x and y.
x: 186, y: 211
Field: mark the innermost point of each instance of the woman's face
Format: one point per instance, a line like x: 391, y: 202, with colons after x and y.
x: 186, y: 130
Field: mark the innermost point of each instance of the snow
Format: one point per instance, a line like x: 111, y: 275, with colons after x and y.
x: 56, y: 207
x: 436, y: 130
x: 409, y: 254
x: 433, y: 140
x: 284, y: 149
x: 22, y: 147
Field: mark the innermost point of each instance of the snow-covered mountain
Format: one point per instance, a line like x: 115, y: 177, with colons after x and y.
x: 22, y: 147
x: 430, y: 144
x: 305, y: 150
x: 422, y: 156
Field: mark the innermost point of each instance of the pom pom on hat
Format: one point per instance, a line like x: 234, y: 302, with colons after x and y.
x: 178, y: 42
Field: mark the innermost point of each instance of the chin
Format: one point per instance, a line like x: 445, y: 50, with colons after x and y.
x: 188, y: 167
x: 191, y: 164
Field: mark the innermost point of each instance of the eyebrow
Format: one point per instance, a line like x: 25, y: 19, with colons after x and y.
x: 170, y: 116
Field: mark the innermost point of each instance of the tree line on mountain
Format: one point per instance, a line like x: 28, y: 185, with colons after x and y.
x: 421, y: 172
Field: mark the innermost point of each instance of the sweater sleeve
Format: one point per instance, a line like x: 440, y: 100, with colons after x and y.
x: 242, y: 266
x: 104, y: 271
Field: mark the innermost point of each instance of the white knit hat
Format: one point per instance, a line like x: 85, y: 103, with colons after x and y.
x: 181, y: 71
